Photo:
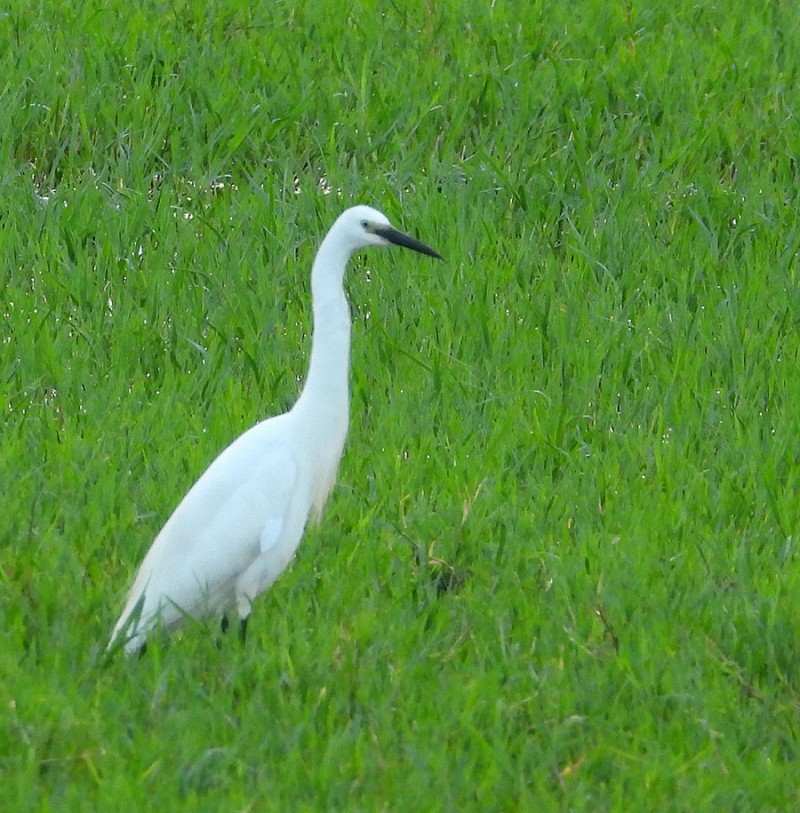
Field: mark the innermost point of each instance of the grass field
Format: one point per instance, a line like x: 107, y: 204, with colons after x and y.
x: 560, y: 568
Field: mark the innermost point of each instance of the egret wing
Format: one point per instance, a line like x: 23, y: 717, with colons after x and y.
x: 271, y: 534
x: 236, y: 508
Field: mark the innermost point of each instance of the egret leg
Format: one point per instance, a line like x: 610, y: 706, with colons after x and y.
x: 243, y: 630
x: 224, y: 624
x: 142, y: 650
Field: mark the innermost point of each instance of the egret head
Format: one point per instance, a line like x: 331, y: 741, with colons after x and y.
x: 363, y: 226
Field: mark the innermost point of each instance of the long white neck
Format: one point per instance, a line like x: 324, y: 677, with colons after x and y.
x: 326, y: 391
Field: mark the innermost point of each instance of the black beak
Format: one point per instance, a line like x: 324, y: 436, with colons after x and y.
x: 400, y: 238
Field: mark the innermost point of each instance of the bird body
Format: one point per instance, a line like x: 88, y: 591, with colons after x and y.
x: 238, y: 527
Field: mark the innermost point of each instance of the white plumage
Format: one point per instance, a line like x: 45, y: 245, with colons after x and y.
x: 240, y: 524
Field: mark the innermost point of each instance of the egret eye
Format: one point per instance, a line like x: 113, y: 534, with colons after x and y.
x: 365, y: 225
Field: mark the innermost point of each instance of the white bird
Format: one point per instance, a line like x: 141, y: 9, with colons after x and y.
x: 240, y: 524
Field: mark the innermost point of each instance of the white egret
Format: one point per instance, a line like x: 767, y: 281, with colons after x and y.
x: 239, y: 525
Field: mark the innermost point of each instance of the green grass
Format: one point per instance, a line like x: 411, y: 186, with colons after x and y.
x: 560, y: 570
